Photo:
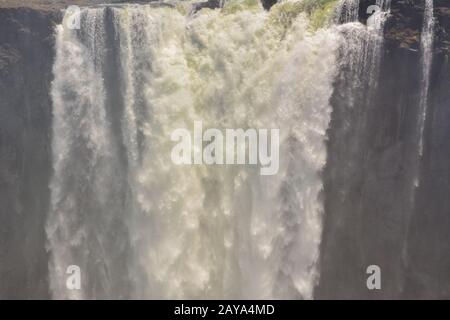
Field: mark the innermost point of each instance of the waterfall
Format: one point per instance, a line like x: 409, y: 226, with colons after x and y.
x: 85, y: 225
x: 351, y: 174
x: 378, y: 19
x: 385, y: 5
x: 426, y: 49
x: 377, y: 22
x: 347, y: 11
x: 359, y: 59
x: 137, y: 225
x: 364, y: 45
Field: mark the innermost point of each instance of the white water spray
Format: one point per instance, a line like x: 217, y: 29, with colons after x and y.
x: 347, y: 11
x: 426, y: 48
x: 139, y: 226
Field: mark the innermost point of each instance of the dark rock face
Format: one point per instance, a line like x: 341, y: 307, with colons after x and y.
x: 210, y: 4
x: 267, y: 4
x: 26, y: 51
x: 213, y: 4
x: 428, y: 271
x: 405, y: 24
x: 367, y: 182
x: 369, y: 217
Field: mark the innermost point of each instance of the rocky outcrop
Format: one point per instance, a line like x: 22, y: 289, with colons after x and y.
x: 267, y: 4
x: 210, y: 4
x: 404, y: 26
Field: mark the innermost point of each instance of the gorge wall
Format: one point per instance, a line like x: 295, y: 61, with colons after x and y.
x: 369, y: 216
x: 26, y: 59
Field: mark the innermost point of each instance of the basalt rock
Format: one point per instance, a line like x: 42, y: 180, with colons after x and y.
x: 267, y: 4
x: 369, y: 223
x: 210, y: 4
x: 26, y: 59
x: 404, y: 26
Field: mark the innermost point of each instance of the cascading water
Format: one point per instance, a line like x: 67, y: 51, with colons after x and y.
x: 359, y: 60
x: 426, y: 48
x: 139, y: 226
x: 363, y: 176
x: 86, y: 223
x: 426, y: 59
x: 363, y: 46
x: 347, y: 11
x: 376, y: 23
x: 353, y: 177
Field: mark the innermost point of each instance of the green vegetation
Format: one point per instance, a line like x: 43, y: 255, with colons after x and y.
x: 319, y: 11
x: 233, y: 6
x: 285, y: 12
x: 311, y: 6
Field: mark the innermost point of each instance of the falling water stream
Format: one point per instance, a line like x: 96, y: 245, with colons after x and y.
x: 137, y: 225
x: 125, y: 214
x: 426, y: 48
